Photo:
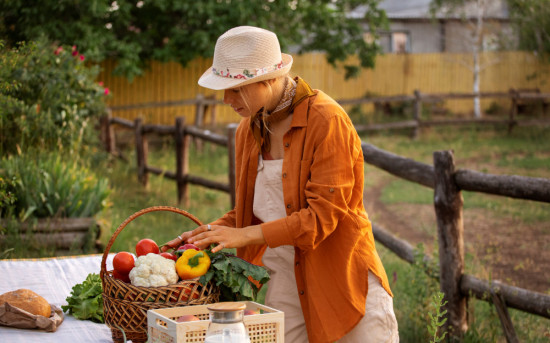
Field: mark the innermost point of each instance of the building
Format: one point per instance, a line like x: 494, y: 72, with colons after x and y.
x: 412, y: 28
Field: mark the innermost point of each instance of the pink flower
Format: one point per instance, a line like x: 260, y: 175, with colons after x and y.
x: 75, y: 53
x: 58, y: 50
x: 106, y: 91
x: 74, y: 47
x: 82, y: 57
x: 100, y: 83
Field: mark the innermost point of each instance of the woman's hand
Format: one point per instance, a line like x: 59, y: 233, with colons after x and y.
x: 224, y: 236
x: 173, y: 244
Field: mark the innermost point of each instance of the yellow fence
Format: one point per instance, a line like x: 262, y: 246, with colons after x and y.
x: 393, y: 75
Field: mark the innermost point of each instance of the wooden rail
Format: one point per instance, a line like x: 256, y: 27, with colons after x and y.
x: 518, y: 98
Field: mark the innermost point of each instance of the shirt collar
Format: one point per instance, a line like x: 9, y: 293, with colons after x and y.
x: 303, y: 93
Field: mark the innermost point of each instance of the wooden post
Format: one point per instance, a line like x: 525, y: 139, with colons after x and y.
x: 504, y: 316
x: 107, y: 132
x: 199, y: 118
x: 141, y: 152
x: 448, y: 208
x: 213, y: 108
x: 513, y: 109
x: 182, y: 161
x: 417, y: 112
x: 231, y: 129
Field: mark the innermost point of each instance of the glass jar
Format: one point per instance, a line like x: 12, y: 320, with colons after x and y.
x: 226, y: 323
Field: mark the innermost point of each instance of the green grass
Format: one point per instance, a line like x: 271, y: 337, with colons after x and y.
x: 524, y: 152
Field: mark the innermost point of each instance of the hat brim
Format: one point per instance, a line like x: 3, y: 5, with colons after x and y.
x: 216, y: 82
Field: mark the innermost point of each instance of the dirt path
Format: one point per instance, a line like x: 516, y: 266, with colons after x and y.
x: 510, y: 251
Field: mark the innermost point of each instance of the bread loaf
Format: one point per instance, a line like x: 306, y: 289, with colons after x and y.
x: 27, y: 300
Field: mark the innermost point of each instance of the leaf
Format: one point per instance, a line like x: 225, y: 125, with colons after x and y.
x: 85, y: 301
x: 232, y: 274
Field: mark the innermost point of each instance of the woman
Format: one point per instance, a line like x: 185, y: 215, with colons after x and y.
x: 299, y: 197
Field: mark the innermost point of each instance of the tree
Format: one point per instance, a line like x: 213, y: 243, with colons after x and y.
x: 531, y: 19
x: 134, y: 32
x: 473, y: 14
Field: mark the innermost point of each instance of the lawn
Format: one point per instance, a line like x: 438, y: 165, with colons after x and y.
x: 523, y: 152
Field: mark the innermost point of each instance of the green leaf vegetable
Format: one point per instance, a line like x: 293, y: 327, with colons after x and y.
x: 232, y: 274
x: 85, y: 301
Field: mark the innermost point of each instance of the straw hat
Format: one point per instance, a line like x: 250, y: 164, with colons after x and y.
x: 245, y: 55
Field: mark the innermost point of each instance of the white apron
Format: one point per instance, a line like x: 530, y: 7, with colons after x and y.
x: 282, y: 293
x: 379, y: 323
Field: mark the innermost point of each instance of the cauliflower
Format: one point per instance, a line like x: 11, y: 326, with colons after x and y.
x: 153, y: 270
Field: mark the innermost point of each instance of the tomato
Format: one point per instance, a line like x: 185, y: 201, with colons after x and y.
x: 121, y: 276
x: 146, y: 246
x: 187, y: 318
x: 169, y: 256
x: 185, y: 296
x: 123, y: 262
x: 195, y: 294
x: 189, y: 246
x: 184, y: 247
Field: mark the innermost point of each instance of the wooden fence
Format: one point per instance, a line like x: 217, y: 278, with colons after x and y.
x: 182, y: 134
x: 443, y: 177
x: 393, y: 74
x: 447, y: 182
x: 206, y: 106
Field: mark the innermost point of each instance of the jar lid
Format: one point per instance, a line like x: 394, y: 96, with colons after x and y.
x: 226, y: 306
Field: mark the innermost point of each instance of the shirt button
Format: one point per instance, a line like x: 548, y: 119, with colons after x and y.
x: 288, y: 206
x: 331, y: 190
x: 287, y: 144
x: 301, y: 292
x: 284, y: 175
x: 297, y: 263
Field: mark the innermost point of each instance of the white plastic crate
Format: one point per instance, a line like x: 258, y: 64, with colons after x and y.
x: 265, y: 327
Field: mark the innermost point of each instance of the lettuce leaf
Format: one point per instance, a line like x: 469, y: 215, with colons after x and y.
x: 85, y: 301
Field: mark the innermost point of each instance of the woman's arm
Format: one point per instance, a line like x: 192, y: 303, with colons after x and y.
x: 224, y: 236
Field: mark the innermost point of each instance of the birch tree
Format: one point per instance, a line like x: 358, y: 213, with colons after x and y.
x: 473, y: 14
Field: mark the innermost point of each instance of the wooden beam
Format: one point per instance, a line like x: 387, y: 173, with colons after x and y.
x: 515, y: 297
x: 402, y: 167
x: 450, y: 233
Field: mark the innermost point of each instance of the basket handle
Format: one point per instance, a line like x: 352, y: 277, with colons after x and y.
x: 134, y: 216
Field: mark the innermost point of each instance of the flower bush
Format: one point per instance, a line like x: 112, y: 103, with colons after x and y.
x: 48, y: 98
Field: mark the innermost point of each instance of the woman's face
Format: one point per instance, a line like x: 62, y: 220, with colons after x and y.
x: 248, y: 99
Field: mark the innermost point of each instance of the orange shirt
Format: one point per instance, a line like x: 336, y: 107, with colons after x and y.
x: 323, y: 175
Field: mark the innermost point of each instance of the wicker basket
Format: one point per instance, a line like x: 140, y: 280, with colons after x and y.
x: 125, y: 306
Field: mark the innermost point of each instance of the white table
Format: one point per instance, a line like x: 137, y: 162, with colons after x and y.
x: 53, y: 278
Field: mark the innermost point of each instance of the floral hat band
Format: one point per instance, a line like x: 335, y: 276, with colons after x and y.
x: 245, y: 74
x: 245, y: 55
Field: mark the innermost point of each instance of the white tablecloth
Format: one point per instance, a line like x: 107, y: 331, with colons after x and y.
x: 53, y: 279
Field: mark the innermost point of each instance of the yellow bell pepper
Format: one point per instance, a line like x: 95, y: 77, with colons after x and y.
x: 192, y: 264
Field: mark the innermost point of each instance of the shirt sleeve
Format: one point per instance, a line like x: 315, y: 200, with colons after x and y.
x: 329, y: 190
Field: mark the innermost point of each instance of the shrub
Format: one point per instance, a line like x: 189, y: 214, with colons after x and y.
x: 48, y: 186
x: 48, y: 98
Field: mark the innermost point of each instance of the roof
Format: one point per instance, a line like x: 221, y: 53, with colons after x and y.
x: 420, y: 9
